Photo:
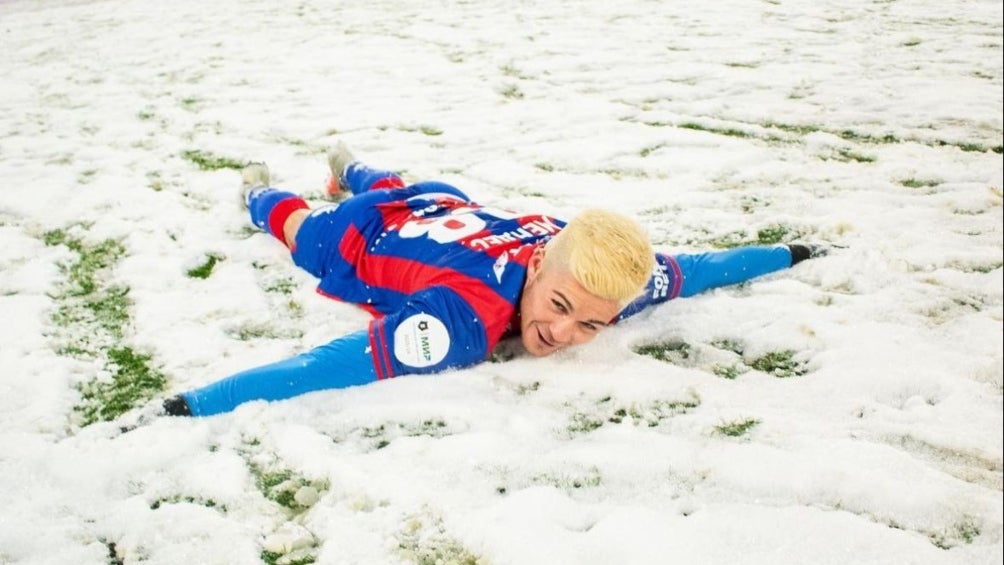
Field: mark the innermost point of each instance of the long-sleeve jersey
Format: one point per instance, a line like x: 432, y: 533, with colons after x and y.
x: 442, y: 276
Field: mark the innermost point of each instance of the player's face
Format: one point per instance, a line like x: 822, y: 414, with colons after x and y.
x: 556, y: 311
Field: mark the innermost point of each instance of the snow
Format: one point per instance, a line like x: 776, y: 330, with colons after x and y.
x: 887, y: 450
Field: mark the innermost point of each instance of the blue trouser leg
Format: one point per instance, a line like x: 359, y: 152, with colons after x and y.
x: 360, y: 178
x: 341, y: 363
x: 721, y: 268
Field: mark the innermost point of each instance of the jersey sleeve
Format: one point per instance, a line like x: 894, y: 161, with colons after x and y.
x: 340, y: 363
x: 435, y: 330
x: 689, y: 274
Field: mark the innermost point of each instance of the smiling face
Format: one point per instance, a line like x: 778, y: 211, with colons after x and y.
x: 556, y: 311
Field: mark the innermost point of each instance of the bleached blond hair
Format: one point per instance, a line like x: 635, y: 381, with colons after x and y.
x: 608, y: 253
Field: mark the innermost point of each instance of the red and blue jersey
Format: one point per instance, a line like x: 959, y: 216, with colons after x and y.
x: 441, y: 274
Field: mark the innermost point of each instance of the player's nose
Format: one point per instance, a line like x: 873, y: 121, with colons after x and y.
x: 562, y: 331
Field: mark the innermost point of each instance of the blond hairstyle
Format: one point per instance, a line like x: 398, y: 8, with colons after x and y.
x: 608, y: 253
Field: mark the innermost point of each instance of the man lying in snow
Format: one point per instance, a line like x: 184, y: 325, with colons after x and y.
x: 446, y: 279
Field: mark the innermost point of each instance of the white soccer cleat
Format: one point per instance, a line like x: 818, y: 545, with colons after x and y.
x: 339, y: 158
x: 253, y: 175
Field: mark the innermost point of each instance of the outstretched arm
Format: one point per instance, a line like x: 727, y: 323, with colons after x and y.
x: 435, y: 330
x: 341, y: 363
x: 689, y: 274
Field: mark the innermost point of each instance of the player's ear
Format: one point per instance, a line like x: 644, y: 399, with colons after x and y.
x: 536, y: 262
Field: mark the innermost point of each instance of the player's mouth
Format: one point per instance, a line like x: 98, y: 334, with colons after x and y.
x: 544, y: 340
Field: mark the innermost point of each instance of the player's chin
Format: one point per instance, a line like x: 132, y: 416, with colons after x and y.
x: 534, y: 346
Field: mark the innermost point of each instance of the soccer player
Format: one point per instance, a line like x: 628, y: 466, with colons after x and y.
x: 446, y: 279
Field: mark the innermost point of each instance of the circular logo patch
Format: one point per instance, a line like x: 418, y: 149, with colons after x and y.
x: 421, y: 340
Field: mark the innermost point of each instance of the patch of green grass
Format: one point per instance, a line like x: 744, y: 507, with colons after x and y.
x: 919, y: 183
x: 113, y: 553
x: 92, y: 258
x: 846, y: 155
x: 888, y: 138
x: 646, y: 151
x: 284, y: 486
x: 262, y: 330
x: 512, y: 92
x: 650, y: 414
x: 859, y: 137
x: 424, y: 541
x: 799, y: 129
x: 781, y: 364
x: 272, y: 558
x: 133, y: 382
x: 509, y: 70
x: 728, y: 344
x: 525, y: 389
x: 730, y: 372
x: 729, y: 240
x: 672, y: 351
x: 584, y: 423
x: 730, y: 132
x: 971, y: 147
x: 622, y: 173
x: 749, y: 204
x: 155, y: 182
x: 388, y: 431
x: 589, y: 479
x: 281, y: 285
x: 206, y: 268
x: 980, y: 267
x: 964, y: 531
x: 90, y: 319
x: 87, y: 320
x: 768, y: 235
x: 178, y: 499
x: 736, y: 428
x: 772, y: 234
x: 430, y: 131
x: 280, y: 487
x: 209, y: 162
x: 653, y: 413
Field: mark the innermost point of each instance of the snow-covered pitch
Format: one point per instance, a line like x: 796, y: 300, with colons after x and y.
x: 846, y: 411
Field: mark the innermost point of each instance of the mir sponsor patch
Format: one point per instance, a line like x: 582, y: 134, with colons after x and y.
x: 421, y: 341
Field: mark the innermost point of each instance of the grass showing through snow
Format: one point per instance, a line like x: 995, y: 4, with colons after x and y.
x: 91, y: 317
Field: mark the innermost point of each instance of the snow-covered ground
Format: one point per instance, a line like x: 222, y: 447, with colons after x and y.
x: 874, y: 125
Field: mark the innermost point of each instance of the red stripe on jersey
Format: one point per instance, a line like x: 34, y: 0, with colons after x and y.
x: 373, y: 350
x: 677, y: 278
x: 280, y: 213
x: 408, y: 276
x: 352, y: 246
x: 380, y: 351
x: 387, y: 182
x: 384, y: 350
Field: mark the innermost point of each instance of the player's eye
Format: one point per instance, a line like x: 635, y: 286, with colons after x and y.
x: 559, y: 307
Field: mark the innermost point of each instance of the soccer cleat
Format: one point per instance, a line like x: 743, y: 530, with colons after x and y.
x: 253, y: 175
x: 339, y: 158
x: 802, y: 251
x: 177, y: 406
